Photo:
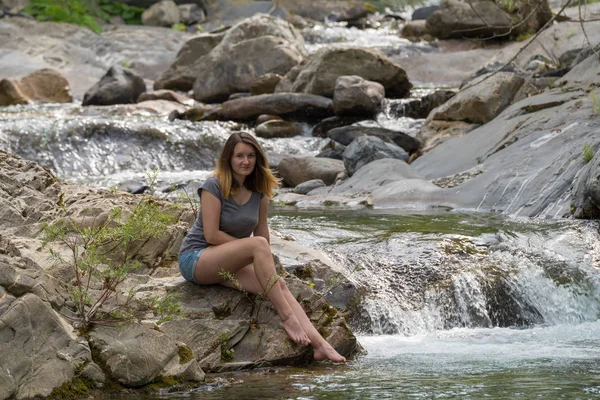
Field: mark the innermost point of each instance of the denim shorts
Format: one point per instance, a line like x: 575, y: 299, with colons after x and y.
x: 187, y: 264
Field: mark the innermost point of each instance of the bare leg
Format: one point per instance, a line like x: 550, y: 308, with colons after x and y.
x: 235, y: 255
x: 322, y: 349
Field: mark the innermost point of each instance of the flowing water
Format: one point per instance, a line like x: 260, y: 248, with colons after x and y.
x: 455, y: 305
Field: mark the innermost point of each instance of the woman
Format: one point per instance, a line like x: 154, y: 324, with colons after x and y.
x: 231, y: 235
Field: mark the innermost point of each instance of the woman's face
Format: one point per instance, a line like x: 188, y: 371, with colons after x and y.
x: 243, y: 160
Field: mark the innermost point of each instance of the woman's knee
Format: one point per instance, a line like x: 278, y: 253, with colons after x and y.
x: 260, y: 244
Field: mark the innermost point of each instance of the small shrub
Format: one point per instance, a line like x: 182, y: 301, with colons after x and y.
x: 588, y: 153
x: 595, y: 102
x: 178, y: 27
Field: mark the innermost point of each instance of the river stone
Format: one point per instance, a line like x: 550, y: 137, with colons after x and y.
x: 354, y: 95
x: 278, y: 129
x: 414, y: 29
x: 266, y: 117
x: 168, y: 95
x: 190, y: 14
x: 118, y: 86
x: 297, y: 104
x: 480, y: 102
x: 164, y: 13
x: 307, y: 186
x: 134, y: 355
x: 365, y: 149
x: 181, y: 74
x: 254, y: 47
x: 39, y: 349
x: 318, y: 73
x: 420, y: 108
x: 476, y: 19
x: 296, y: 170
x: 333, y: 150
x: 265, y: 84
x: 422, y: 13
x: 322, y: 128
x: 345, y: 135
x: 43, y: 86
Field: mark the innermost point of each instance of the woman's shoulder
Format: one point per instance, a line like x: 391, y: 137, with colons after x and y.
x: 213, y: 185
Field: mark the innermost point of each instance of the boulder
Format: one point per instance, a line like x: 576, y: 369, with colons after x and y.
x: 307, y: 186
x: 355, y: 96
x: 134, y: 355
x: 254, y: 47
x: 267, y: 117
x: 346, y: 134
x: 333, y: 150
x: 420, y: 108
x: 480, y: 102
x: 324, y: 126
x: 118, y: 86
x: 265, y: 84
x: 278, y: 129
x: 318, y: 73
x: 182, y: 74
x: 40, y: 350
x: 297, y: 104
x: 164, y: 13
x: 422, y: 13
x: 168, y: 95
x: 43, y: 86
x: 365, y: 149
x: 297, y: 170
x: 190, y: 14
x: 415, y: 29
x: 476, y: 19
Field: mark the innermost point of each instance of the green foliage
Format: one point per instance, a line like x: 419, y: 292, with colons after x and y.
x: 588, y: 153
x: 102, y: 255
x: 178, y: 27
x: 226, y: 354
x: 131, y: 15
x: 83, y: 12
x: 595, y: 102
x: 79, y: 12
x: 166, y: 307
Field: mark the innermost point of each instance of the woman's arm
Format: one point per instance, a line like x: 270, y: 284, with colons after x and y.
x: 211, y: 216
x: 262, y: 229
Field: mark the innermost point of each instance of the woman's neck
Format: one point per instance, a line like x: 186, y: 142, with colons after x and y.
x: 239, y: 180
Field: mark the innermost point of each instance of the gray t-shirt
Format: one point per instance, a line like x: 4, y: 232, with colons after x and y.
x: 236, y: 220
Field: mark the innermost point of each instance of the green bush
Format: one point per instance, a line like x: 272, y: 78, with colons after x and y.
x: 588, y: 153
x: 83, y: 12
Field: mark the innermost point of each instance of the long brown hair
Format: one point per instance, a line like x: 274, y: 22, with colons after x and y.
x: 261, y: 179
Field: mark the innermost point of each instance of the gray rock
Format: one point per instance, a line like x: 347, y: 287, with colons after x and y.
x: 118, y: 86
x: 168, y: 95
x: 422, y: 13
x: 278, y: 129
x: 355, y: 96
x: 420, y: 108
x: 480, y: 102
x: 307, y: 186
x: 324, y: 126
x: 254, y: 47
x: 182, y: 74
x: 319, y: 71
x: 134, y: 354
x: 284, y: 104
x: 333, y: 150
x: 39, y: 349
x: 164, y: 13
x: 296, y: 170
x: 265, y: 84
x: 190, y: 14
x: 433, y: 133
x: 345, y: 135
x: 366, y: 149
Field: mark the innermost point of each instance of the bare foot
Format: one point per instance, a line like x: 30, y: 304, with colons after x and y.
x: 294, y: 330
x: 326, y: 352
